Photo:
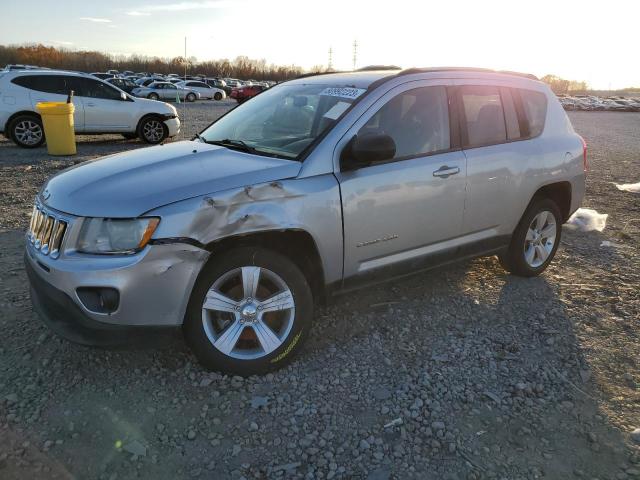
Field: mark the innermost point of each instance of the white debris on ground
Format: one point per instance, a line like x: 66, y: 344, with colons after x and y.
x: 587, y: 219
x: 629, y: 187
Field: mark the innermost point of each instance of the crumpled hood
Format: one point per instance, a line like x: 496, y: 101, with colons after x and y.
x: 131, y: 183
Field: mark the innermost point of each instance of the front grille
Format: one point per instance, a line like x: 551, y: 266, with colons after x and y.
x: 46, y: 231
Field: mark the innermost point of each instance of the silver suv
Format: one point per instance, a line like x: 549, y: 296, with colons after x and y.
x: 313, y: 187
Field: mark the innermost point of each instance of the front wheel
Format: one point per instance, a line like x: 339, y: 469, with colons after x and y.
x: 249, y: 312
x: 191, y: 97
x: 535, y: 240
x: 153, y: 96
x: 152, y: 130
x: 217, y: 96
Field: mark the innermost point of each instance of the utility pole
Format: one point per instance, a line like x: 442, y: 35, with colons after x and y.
x: 355, y: 53
x: 330, y: 65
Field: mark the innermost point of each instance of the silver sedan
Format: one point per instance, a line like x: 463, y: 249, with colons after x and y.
x: 166, y: 91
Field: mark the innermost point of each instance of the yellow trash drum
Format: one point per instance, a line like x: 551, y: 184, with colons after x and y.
x: 57, y: 120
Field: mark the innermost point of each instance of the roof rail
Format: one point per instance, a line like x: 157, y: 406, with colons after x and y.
x: 409, y: 71
x: 373, y: 68
x: 313, y: 74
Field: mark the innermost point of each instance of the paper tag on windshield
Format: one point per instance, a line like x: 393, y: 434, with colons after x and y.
x: 344, y: 92
x: 338, y: 109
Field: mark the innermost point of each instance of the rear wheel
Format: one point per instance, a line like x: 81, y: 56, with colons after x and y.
x: 191, y: 97
x: 535, y: 240
x: 153, y: 96
x: 26, y: 131
x: 249, y: 312
x: 152, y: 130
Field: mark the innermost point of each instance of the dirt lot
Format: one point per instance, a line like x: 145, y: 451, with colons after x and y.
x: 461, y: 373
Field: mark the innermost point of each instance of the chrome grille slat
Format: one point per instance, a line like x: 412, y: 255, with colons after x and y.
x: 46, y: 231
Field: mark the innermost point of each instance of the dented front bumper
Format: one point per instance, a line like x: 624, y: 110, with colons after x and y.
x: 153, y: 285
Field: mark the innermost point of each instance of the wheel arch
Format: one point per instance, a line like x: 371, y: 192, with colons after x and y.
x: 296, y: 244
x: 560, y: 193
x: 17, y: 114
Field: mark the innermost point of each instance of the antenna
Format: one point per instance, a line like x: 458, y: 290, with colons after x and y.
x: 355, y: 53
x: 330, y: 65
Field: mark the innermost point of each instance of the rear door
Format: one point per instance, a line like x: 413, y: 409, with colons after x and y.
x: 399, y: 213
x: 105, y: 109
x: 496, y: 161
x: 53, y: 88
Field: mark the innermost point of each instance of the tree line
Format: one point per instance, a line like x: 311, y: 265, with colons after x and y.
x: 91, y: 61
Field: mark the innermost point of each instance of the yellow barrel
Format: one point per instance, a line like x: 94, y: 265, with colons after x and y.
x: 57, y: 120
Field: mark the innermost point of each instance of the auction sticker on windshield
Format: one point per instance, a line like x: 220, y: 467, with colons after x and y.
x: 343, y: 92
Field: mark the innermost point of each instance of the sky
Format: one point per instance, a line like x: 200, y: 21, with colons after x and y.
x: 588, y: 40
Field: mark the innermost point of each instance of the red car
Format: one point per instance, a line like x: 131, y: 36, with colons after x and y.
x: 244, y: 93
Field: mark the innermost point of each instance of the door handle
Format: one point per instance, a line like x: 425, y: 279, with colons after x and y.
x: 445, y: 171
x: 91, y: 104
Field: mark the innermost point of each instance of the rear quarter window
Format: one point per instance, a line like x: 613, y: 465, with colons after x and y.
x: 534, y: 105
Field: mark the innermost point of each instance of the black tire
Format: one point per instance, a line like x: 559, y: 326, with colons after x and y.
x: 155, y: 123
x: 217, y: 96
x: 130, y: 136
x: 194, y: 326
x: 153, y: 96
x: 191, y: 97
x: 514, y: 259
x: 16, y: 130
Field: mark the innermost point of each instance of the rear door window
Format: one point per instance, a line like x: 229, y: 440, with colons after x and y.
x: 58, y: 84
x: 534, y: 105
x: 483, y: 116
x: 417, y: 120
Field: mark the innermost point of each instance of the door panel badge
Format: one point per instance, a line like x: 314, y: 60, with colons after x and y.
x: 377, y: 240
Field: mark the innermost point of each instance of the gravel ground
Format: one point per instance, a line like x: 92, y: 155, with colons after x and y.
x: 461, y: 373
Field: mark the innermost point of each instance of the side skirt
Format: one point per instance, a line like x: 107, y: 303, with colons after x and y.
x: 486, y: 247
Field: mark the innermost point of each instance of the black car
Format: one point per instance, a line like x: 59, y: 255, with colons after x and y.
x: 123, y: 84
x: 218, y: 83
x: 102, y: 76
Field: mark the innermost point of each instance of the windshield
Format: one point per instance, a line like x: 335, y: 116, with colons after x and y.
x: 283, y: 121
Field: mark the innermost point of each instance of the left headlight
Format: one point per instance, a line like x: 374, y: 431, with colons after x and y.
x: 116, y: 235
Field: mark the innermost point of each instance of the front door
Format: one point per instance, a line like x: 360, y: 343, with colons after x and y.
x: 105, y: 110
x: 400, y: 212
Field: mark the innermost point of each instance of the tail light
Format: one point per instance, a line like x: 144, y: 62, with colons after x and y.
x: 585, y: 162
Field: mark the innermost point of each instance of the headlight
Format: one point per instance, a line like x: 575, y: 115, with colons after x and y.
x: 114, y: 235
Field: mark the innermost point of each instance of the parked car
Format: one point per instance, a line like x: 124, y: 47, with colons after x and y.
x: 99, y: 107
x: 205, y: 91
x: 145, y: 81
x: 23, y: 67
x: 113, y: 73
x: 242, y: 94
x: 102, y: 76
x: 316, y: 186
x: 165, y: 91
x: 219, y: 83
x: 122, y: 83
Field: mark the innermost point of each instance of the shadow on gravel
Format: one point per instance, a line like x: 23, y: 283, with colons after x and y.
x: 484, y: 371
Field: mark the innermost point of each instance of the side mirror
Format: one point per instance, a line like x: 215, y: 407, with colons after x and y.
x: 367, y: 149
x: 123, y: 96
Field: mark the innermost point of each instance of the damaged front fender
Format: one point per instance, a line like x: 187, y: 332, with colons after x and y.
x: 308, y: 204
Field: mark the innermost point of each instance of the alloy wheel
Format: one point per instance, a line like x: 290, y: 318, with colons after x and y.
x: 540, y: 239
x: 28, y: 132
x: 248, y: 312
x: 153, y: 131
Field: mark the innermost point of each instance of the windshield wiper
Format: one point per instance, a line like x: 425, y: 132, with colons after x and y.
x: 237, y: 144
x: 201, y: 138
